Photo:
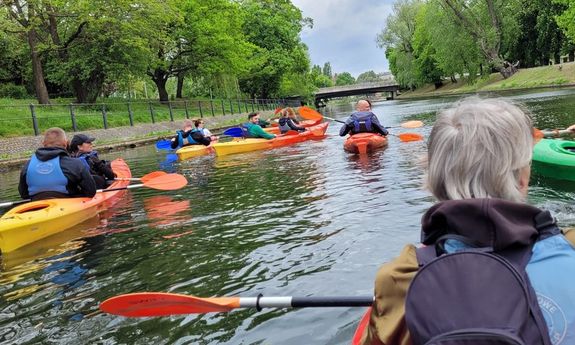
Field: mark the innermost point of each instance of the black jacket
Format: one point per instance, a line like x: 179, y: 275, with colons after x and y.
x: 80, y: 182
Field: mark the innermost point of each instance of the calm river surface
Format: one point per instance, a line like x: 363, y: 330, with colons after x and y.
x: 308, y: 219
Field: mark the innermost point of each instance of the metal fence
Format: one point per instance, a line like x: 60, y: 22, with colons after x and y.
x: 33, y: 118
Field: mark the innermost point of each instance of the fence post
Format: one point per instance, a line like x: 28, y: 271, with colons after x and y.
x: 252, y: 102
x: 34, y: 120
x: 171, y: 112
x: 73, y: 116
x: 200, y: 106
x: 246, y: 105
x: 223, y: 108
x: 257, y: 104
x: 152, y: 112
x: 130, y: 114
x: 186, y: 109
x: 104, y: 116
x: 239, y: 107
x: 212, y: 106
x: 231, y: 107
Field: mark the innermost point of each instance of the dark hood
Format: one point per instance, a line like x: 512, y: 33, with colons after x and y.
x: 47, y: 153
x: 492, y: 222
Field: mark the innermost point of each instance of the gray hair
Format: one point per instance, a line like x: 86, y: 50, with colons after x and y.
x: 477, y: 149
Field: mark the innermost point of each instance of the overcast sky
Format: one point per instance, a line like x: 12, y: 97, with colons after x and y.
x: 344, y: 33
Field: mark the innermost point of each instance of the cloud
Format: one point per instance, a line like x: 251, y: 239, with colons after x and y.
x: 344, y: 33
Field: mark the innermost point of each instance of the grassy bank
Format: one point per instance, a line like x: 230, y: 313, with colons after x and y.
x: 555, y: 75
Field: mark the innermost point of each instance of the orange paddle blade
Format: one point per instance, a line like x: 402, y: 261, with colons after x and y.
x: 309, y: 113
x: 405, y: 137
x: 538, y: 134
x: 277, y: 110
x: 161, y: 304
x: 167, y: 182
x: 152, y: 175
x: 412, y: 124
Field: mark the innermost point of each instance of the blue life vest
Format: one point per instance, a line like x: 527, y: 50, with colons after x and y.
x: 550, y: 269
x: 246, y: 129
x: 187, y: 140
x: 362, y: 121
x: 85, y: 156
x: 45, y: 176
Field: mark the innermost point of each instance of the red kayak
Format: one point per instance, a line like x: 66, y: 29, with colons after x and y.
x: 361, y: 327
x: 364, y: 142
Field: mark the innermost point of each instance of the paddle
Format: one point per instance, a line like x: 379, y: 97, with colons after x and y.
x: 406, y: 137
x: 310, y: 114
x: 539, y: 134
x: 144, y: 178
x: 161, y: 182
x: 145, y: 304
x: 164, y: 145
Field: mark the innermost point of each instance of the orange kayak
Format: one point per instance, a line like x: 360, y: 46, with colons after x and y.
x: 305, y: 124
x: 364, y: 142
x: 361, y: 327
x: 36, y: 220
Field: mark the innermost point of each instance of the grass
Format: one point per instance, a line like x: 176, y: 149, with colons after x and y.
x: 554, y: 75
x: 16, y: 115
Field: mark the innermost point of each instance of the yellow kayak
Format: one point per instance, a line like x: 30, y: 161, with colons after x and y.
x: 250, y: 144
x: 192, y: 151
x: 36, y: 220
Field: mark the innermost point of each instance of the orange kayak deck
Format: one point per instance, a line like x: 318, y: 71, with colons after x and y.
x: 364, y: 142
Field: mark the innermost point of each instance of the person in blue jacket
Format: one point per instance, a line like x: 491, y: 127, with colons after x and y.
x: 81, y: 147
x: 52, y: 173
x: 192, y: 135
x: 362, y: 121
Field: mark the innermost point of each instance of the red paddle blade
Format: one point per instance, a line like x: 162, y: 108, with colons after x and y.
x: 161, y: 304
x: 412, y: 124
x: 277, y: 110
x: 405, y: 137
x: 538, y: 134
x: 152, y: 175
x: 309, y: 114
x: 167, y: 182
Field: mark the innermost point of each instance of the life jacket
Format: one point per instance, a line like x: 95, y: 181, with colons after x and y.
x: 186, y: 140
x: 464, y: 293
x: 45, y: 176
x: 84, y: 157
x: 246, y: 130
x: 362, y: 121
x: 283, y: 125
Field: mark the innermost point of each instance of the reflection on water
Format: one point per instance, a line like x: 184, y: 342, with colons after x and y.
x: 308, y: 219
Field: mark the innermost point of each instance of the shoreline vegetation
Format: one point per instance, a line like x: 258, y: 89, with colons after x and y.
x: 559, y: 75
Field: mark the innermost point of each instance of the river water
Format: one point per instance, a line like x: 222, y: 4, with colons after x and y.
x: 303, y: 220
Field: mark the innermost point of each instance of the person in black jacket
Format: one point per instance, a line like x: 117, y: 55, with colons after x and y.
x: 363, y: 120
x: 81, y: 147
x: 287, y: 123
x: 52, y: 173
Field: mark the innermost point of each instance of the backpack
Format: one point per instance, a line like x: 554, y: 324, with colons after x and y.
x: 475, y: 295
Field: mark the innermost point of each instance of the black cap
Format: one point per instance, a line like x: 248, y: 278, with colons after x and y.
x: 79, y: 139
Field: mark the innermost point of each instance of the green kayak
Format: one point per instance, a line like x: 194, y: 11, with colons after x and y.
x: 555, y: 159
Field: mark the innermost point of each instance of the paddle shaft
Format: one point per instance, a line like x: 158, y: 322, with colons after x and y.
x: 557, y: 133
x: 306, y: 302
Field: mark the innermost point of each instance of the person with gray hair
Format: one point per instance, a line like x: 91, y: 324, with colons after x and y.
x: 478, y: 168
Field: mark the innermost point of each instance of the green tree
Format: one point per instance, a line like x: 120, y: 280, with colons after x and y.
x: 327, y: 70
x: 344, y: 78
x: 566, y: 20
x: 273, y: 26
x: 367, y: 77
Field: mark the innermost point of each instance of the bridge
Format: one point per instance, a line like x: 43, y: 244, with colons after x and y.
x: 324, y: 94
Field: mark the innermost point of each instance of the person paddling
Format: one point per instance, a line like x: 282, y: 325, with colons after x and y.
x: 251, y: 129
x: 492, y: 266
x: 287, y: 123
x: 81, y: 147
x: 203, y: 135
x: 190, y: 136
x: 52, y: 173
x: 362, y: 121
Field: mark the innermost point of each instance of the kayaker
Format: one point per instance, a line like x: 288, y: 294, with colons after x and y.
x: 52, y: 173
x: 203, y: 135
x: 480, y: 178
x: 251, y: 129
x: 362, y: 121
x: 292, y: 115
x: 189, y: 136
x: 286, y: 123
x: 81, y: 147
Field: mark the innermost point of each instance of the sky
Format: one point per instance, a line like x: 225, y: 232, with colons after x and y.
x: 344, y: 33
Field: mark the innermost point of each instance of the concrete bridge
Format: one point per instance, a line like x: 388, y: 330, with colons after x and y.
x: 324, y: 94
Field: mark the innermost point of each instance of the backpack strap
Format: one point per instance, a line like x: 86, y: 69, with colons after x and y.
x: 546, y: 225
x: 425, y: 255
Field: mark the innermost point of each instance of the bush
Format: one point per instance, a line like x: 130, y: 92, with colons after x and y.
x: 13, y: 91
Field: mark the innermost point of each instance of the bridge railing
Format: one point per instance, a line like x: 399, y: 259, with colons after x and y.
x: 357, y: 86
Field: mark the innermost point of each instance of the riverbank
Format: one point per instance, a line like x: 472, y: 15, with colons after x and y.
x: 17, y: 150
x: 561, y: 75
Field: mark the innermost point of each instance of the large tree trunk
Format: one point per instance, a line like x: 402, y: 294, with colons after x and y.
x: 37, y: 70
x: 160, y: 78
x: 572, y: 56
x: 87, y: 91
x: 180, y: 85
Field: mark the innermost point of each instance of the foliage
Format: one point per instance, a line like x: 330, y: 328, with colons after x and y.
x: 327, y: 70
x: 344, y: 78
x: 367, y: 77
x: 566, y: 20
x: 13, y: 91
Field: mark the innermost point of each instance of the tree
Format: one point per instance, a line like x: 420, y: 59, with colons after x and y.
x: 566, y: 20
x: 327, y: 70
x: 367, y: 77
x: 274, y: 27
x: 344, y: 78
